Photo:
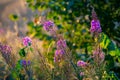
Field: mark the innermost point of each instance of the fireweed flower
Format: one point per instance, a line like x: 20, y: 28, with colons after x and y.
x: 61, y: 44
x: 58, y: 55
x: 81, y: 64
x: 95, y: 24
x: 27, y: 41
x: 48, y: 25
x: 5, y: 49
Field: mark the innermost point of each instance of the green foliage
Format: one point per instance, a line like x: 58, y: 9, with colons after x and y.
x: 22, y: 52
x: 115, y: 52
x: 13, y: 17
x: 18, y: 66
x: 108, y: 45
x: 16, y: 71
x: 105, y: 42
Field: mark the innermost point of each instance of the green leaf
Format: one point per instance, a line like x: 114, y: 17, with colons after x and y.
x: 31, y: 49
x: 30, y: 24
x: 18, y: 65
x: 112, y: 53
x: 119, y: 59
x: 106, y: 43
x: 13, y: 17
x: 14, y: 75
x: 115, y: 52
x: 22, y: 52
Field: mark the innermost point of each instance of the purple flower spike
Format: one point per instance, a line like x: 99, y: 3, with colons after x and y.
x: 95, y: 24
x: 59, y: 52
x: 29, y: 62
x: 27, y: 41
x: 61, y: 44
x: 81, y: 64
x: 58, y: 55
x: 5, y: 49
x: 48, y: 25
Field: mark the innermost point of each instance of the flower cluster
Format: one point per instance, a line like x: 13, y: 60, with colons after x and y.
x: 81, y: 63
x: 5, y: 49
x: 61, y: 44
x: 27, y: 41
x: 95, y: 24
x: 48, y: 25
x: 58, y: 55
x: 25, y: 63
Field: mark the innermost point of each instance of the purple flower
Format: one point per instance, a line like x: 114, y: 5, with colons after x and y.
x: 95, y: 24
x: 5, y: 49
x: 58, y: 55
x: 23, y: 62
x: 48, y: 25
x: 61, y: 44
x: 29, y: 62
x: 81, y: 64
x: 27, y: 41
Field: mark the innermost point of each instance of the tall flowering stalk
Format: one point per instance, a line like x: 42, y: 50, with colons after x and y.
x: 60, y: 42
x: 5, y: 50
x: 94, y: 70
x: 9, y: 58
x: 98, y: 54
x: 27, y: 67
x: 62, y: 53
